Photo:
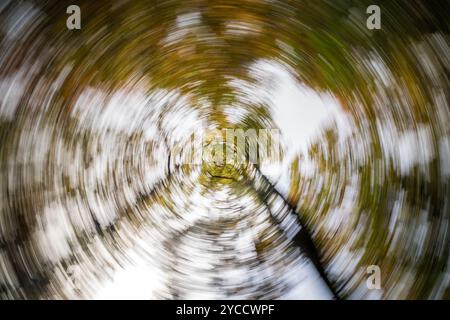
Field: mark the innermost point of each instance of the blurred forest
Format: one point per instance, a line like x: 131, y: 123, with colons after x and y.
x: 359, y: 205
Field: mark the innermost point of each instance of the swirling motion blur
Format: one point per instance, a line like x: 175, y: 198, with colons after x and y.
x: 92, y: 174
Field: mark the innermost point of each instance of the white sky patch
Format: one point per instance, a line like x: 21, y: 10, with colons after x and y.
x: 290, y: 100
x: 312, y: 111
x: 104, y: 209
x: 181, y: 120
x: 407, y: 148
x: 54, y: 233
x: 241, y: 28
x: 136, y: 282
x: 18, y: 23
x: 11, y: 90
x: 309, y: 288
x: 379, y: 68
x: 236, y: 113
x: 188, y: 20
x: 140, y: 280
x: 444, y: 152
x: 339, y: 216
x: 184, y: 24
x: 134, y: 111
x: 120, y: 112
x: 415, y: 147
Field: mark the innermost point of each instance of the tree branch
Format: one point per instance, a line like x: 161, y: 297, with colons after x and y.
x: 303, y: 238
